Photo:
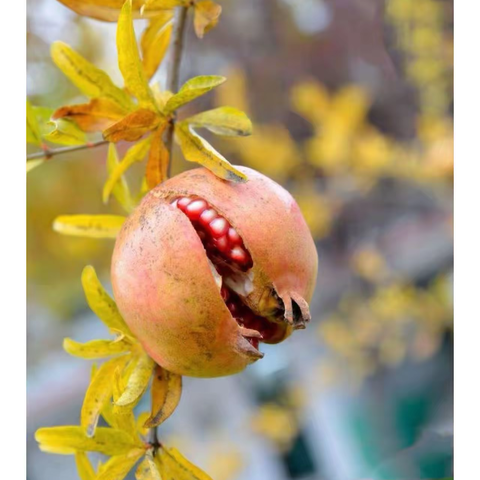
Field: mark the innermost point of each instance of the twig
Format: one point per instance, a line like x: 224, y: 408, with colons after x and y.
x: 59, y: 151
x: 174, y: 71
x: 173, y: 75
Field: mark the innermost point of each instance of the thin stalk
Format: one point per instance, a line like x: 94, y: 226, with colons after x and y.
x: 49, y: 153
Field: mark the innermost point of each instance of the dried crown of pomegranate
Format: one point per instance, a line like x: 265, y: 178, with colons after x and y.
x: 204, y: 269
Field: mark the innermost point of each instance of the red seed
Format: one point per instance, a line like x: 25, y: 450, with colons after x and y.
x: 232, y: 307
x: 224, y: 293
x: 207, y: 216
x: 234, y: 237
x: 218, y: 227
x: 239, y: 255
x: 183, y: 203
x: 195, y: 209
x: 222, y: 244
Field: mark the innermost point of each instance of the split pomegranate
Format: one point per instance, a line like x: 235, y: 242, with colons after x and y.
x: 204, y: 270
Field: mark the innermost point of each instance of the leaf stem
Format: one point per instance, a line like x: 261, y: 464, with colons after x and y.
x: 173, y: 73
x: 47, y: 153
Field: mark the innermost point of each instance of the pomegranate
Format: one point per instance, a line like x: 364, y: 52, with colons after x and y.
x: 204, y: 270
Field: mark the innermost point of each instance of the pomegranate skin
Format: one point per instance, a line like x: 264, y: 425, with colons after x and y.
x: 164, y: 285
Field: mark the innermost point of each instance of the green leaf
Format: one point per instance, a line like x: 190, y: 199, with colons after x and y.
x: 192, y: 89
x: 129, y: 59
x: 65, y: 133
x: 136, y: 153
x: 89, y: 79
x: 101, y: 303
x: 33, y: 129
x: 68, y: 439
x: 98, y: 393
x: 96, y: 348
x: 137, y: 382
x: 120, y: 191
x: 117, y: 468
x: 197, y: 149
x: 93, y: 226
x: 84, y: 467
x: 227, y: 121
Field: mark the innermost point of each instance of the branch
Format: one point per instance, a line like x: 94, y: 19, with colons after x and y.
x: 59, y: 151
x: 174, y: 71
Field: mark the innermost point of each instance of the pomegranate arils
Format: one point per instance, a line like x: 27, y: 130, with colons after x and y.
x: 218, y: 227
x: 222, y: 244
x: 195, y: 209
x: 239, y: 255
x: 207, y: 216
x: 183, y: 203
x: 234, y: 237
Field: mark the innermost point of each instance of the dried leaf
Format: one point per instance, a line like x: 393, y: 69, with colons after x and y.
x: 109, y: 441
x: 147, y: 470
x: 120, y: 191
x: 31, y: 164
x: 156, y: 170
x: 227, y: 121
x: 129, y: 59
x: 133, y: 126
x: 138, y: 381
x: 65, y: 133
x: 92, y: 81
x: 155, y: 41
x: 93, y: 226
x: 174, y: 466
x: 96, y: 348
x: 206, y: 16
x: 33, y: 129
x: 192, y: 89
x: 84, y: 467
x: 98, y: 393
x: 136, y: 153
x: 108, y: 10
x: 197, y: 149
x: 101, y: 303
x: 166, y: 392
x: 117, y: 468
x: 95, y: 116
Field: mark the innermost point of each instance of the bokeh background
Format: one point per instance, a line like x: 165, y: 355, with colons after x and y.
x: 353, y: 112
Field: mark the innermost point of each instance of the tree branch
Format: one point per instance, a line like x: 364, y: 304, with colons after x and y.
x: 173, y: 73
x: 47, y: 153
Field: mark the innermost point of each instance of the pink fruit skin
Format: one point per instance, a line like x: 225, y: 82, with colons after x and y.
x: 163, y: 283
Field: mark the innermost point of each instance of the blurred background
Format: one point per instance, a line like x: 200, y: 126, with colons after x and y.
x: 353, y: 113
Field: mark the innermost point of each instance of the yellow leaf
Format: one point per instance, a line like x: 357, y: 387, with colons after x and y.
x: 166, y: 392
x: 161, y: 96
x: 98, y: 393
x: 147, y: 470
x: 136, y: 153
x: 65, y: 133
x: 227, y: 121
x: 33, y: 130
x: 155, y: 41
x: 95, y: 116
x: 96, y: 348
x: 92, y: 81
x: 108, y: 10
x: 120, y: 191
x: 156, y: 5
x: 197, y: 149
x: 129, y: 59
x: 206, y: 16
x: 192, y: 89
x: 174, y: 466
x: 84, y: 467
x: 156, y: 170
x: 101, y: 303
x: 93, y: 226
x: 57, y: 449
x: 31, y: 164
x: 137, y: 382
x: 140, y: 424
x: 133, y: 126
x: 117, y: 468
x: 106, y: 440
